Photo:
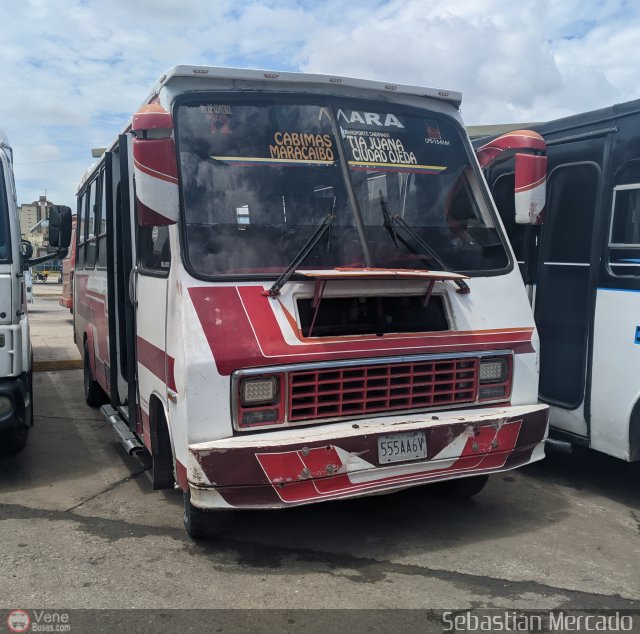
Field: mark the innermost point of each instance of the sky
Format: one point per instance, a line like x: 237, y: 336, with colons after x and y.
x: 72, y: 72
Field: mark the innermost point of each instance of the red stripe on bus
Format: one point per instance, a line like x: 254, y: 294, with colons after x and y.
x: 242, y: 331
x: 157, y: 361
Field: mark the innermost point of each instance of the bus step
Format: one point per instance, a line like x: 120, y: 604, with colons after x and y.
x: 561, y: 446
x: 128, y: 439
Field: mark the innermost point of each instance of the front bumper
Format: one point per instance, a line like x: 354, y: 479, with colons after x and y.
x: 335, y: 461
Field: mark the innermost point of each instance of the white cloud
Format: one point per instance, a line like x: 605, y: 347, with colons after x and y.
x: 73, y: 71
x: 513, y: 61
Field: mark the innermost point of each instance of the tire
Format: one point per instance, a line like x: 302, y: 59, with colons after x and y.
x: 463, y: 488
x: 13, y: 440
x: 161, y: 453
x: 93, y: 394
x: 201, y: 524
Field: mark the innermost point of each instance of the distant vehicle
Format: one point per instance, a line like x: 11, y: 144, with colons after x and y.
x: 42, y: 272
x: 580, y: 260
x: 68, y: 266
x: 292, y: 288
x: 16, y: 385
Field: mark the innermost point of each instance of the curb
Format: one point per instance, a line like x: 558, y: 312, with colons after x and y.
x: 57, y: 364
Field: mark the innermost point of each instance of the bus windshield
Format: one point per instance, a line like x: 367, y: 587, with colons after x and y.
x: 258, y: 178
x: 5, y: 241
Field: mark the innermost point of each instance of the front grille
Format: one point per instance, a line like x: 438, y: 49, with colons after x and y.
x: 350, y: 391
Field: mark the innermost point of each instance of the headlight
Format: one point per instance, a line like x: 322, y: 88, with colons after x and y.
x: 493, y: 371
x: 258, y: 391
x: 494, y: 379
x: 6, y: 405
x: 259, y: 401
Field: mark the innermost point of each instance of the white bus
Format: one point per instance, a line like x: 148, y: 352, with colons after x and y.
x: 293, y: 288
x: 16, y: 387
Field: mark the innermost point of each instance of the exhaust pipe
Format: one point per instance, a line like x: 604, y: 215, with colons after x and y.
x: 126, y: 437
x: 560, y: 446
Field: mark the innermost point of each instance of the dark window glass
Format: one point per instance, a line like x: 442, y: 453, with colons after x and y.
x: 563, y: 291
x: 569, y: 219
x: 625, y: 228
x: 101, y: 224
x: 5, y: 241
x: 419, y: 168
x: 257, y: 180
x: 82, y: 210
x: 92, y: 214
x: 624, y: 249
x: 153, y: 244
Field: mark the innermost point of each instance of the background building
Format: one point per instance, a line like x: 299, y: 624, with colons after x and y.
x: 34, y: 224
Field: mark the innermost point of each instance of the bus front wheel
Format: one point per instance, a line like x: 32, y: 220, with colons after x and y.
x: 93, y: 393
x: 201, y: 524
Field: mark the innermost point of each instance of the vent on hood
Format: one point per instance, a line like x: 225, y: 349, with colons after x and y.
x: 341, y: 316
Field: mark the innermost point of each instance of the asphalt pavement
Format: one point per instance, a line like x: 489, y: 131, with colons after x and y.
x: 81, y: 527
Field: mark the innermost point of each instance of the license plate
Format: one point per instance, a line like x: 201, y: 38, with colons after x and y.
x: 401, y: 447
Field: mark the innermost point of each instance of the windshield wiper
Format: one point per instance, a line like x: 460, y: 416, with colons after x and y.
x: 390, y: 222
x: 307, y: 247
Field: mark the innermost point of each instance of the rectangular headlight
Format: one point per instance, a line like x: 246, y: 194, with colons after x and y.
x: 493, y: 371
x: 258, y: 391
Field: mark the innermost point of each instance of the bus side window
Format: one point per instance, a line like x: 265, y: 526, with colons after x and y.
x: 90, y: 255
x: 624, y: 236
x: 154, y: 249
x: 101, y: 225
x: 82, y: 208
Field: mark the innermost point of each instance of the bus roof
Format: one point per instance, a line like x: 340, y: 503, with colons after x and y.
x: 558, y: 126
x: 208, y: 73
x: 592, y: 117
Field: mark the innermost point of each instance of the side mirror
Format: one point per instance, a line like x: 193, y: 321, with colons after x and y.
x: 26, y: 249
x: 530, y: 188
x: 59, y: 227
x: 154, y: 167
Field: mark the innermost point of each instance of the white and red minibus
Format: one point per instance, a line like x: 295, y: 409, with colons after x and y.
x: 292, y: 288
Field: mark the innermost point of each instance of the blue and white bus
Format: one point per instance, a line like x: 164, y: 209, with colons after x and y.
x: 581, y: 265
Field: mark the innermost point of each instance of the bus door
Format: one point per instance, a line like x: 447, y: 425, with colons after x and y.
x: 563, y: 292
x: 146, y: 277
x: 122, y: 329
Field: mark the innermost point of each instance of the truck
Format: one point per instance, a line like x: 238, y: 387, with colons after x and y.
x: 579, y: 254
x: 292, y: 288
x: 16, y: 380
